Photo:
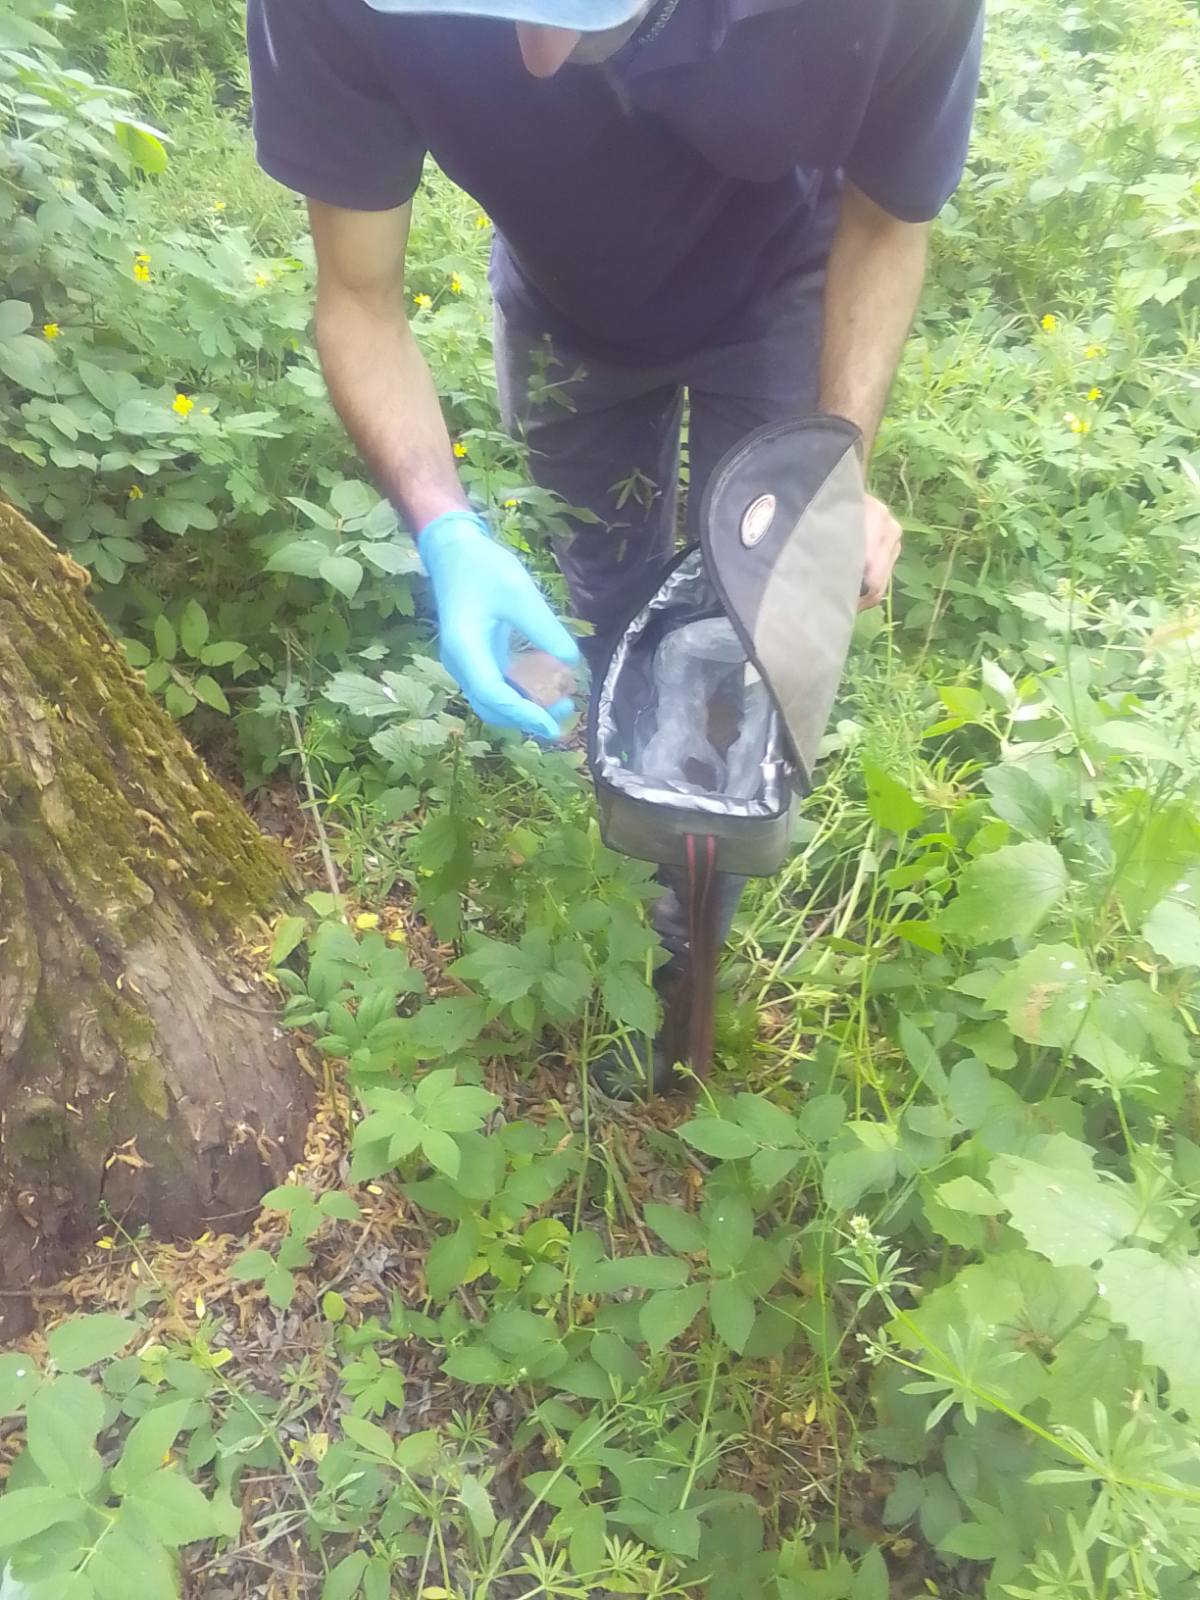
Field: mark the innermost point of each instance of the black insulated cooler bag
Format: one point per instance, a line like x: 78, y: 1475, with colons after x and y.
x: 708, y: 714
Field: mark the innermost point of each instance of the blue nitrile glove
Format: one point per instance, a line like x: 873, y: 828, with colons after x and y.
x: 483, y: 594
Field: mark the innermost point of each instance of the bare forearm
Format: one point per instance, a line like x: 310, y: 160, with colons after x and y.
x: 384, y: 394
x: 876, y: 269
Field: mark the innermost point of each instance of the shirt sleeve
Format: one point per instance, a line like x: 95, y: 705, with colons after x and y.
x: 912, y: 144
x: 324, y: 123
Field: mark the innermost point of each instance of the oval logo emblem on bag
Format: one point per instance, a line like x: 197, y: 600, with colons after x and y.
x: 756, y: 521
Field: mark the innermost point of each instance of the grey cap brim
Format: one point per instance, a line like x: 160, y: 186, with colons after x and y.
x: 583, y: 16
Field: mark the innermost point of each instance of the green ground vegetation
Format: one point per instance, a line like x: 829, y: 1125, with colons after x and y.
x: 910, y: 1301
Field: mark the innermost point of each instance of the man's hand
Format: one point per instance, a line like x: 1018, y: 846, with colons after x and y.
x: 484, y: 595
x: 883, y: 547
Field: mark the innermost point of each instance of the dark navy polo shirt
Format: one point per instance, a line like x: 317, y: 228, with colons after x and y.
x: 646, y: 205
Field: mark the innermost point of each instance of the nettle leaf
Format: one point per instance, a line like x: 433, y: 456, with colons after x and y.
x: 1158, y: 1301
x: 1071, y: 1217
x: 1006, y: 895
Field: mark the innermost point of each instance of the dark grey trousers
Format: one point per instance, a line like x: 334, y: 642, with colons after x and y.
x: 606, y: 437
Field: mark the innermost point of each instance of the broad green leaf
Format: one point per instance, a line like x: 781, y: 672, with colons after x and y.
x: 664, y: 1316
x: 1070, y: 1217
x: 26, y: 1512
x: 19, y: 1377
x: 1158, y: 1301
x: 1019, y: 799
x: 350, y: 498
x: 205, y: 687
x: 1006, y: 895
x: 1046, y: 993
x: 730, y: 1226
x: 75, y: 1586
x: 15, y: 317
x: 346, y: 1578
x: 193, y: 628
x: 889, y: 802
x: 63, y: 1419
x: 871, y: 1581
x: 300, y: 556
x: 1140, y: 739
x: 728, y: 1141
x: 967, y: 1195
x: 165, y: 641
x: 678, y: 1532
x: 148, y: 1442
x: 732, y: 1311
x: 1172, y: 930
x: 288, y: 933
x: 343, y: 573
x: 172, y: 1506
x: 478, y: 1506
x: 449, y: 1261
x: 336, y: 1203
x: 369, y: 1436
x: 677, y: 1228
x: 632, y: 1272
x: 125, y: 1565
x: 629, y: 999
x: 143, y: 144
x: 442, y: 1151
x: 474, y: 1364
x: 850, y: 1174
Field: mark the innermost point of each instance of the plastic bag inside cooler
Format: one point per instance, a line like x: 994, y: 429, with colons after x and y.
x: 683, y: 717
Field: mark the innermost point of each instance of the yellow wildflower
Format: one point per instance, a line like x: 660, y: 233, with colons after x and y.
x: 1094, y: 394
x: 1049, y: 322
x: 481, y: 221
x: 50, y: 330
x: 395, y: 936
x: 365, y: 920
x: 218, y: 205
x: 141, y: 267
x: 456, y: 284
x: 134, y: 492
x: 1093, y: 351
x: 510, y: 505
x: 1076, y: 424
x: 422, y: 302
x: 460, y: 449
x: 261, y: 279
x: 182, y: 405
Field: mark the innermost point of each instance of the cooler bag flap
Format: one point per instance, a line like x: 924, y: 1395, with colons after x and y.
x: 782, y: 528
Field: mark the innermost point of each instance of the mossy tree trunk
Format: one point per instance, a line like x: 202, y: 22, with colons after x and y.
x: 135, y: 1071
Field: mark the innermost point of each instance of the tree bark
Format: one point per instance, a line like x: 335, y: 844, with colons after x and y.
x: 133, y: 1078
